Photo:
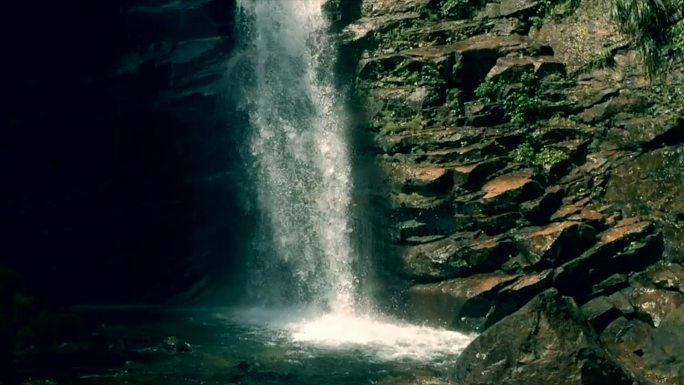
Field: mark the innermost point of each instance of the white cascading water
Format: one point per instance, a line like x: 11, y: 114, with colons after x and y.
x: 302, y: 170
x: 299, y: 141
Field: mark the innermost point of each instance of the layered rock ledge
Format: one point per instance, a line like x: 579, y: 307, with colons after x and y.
x: 534, y: 183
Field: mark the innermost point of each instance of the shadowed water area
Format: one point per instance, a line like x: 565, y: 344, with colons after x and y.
x: 247, y: 346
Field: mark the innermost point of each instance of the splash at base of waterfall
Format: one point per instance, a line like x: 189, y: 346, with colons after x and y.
x: 386, y: 339
x: 390, y: 340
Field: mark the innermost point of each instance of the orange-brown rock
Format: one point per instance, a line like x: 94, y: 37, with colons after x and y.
x: 500, y: 195
x: 455, y: 256
x: 469, y: 175
x: 422, y: 179
x: 510, y: 68
x: 462, y: 303
x: 507, y: 184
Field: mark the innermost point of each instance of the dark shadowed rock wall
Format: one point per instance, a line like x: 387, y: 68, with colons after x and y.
x: 119, y: 151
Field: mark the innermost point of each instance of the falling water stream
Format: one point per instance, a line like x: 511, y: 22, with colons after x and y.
x: 298, y: 149
x: 302, y: 171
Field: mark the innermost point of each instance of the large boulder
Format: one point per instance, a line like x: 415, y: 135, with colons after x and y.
x: 665, y: 354
x: 546, y: 342
x: 653, y: 355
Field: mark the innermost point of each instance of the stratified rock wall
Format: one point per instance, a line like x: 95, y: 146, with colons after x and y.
x: 534, y: 177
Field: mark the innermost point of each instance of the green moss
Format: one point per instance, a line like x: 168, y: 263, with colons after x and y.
x: 459, y: 9
x: 523, y: 105
x: 601, y: 59
x: 549, y: 156
x: 455, y: 108
x: 411, y: 77
x: 537, y: 22
x: 677, y: 35
x: 450, y: 9
x: 524, y: 153
x: 393, y: 125
x: 488, y: 90
x: 667, y: 98
x: 546, y: 157
x: 426, y: 74
x: 522, y: 108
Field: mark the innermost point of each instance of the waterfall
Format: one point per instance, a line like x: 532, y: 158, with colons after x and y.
x: 299, y: 163
x: 298, y: 153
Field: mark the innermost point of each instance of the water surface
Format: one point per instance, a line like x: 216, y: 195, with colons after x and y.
x: 266, y: 347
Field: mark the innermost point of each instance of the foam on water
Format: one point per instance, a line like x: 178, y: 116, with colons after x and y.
x: 390, y: 340
x: 385, y: 338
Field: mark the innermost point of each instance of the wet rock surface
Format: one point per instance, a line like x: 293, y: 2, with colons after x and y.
x: 545, y: 342
x: 566, y: 165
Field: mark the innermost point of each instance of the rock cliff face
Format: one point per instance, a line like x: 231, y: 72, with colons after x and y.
x: 533, y: 177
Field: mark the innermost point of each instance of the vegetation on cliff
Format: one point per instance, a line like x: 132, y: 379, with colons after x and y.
x: 535, y: 166
x: 652, y: 25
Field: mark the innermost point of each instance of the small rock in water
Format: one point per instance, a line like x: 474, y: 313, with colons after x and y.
x: 170, y: 343
x: 173, y: 344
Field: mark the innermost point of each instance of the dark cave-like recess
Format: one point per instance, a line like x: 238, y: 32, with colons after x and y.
x: 119, y: 151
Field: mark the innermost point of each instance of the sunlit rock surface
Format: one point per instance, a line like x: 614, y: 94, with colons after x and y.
x: 560, y: 154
